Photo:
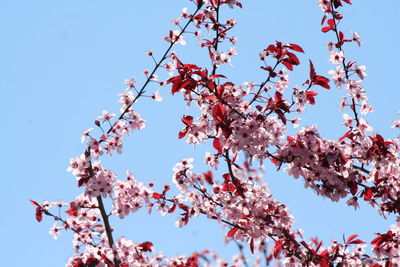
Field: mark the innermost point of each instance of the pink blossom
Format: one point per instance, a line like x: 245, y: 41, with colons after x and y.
x: 365, y: 107
x: 170, y: 67
x: 185, y: 14
x: 78, y: 164
x: 154, y: 77
x: 283, y: 81
x: 325, y: 5
x: 211, y: 160
x: 126, y: 99
x: 364, y: 126
x: 175, y: 37
x: 55, y: 231
x: 85, y: 134
x: 156, y: 96
x: 338, y: 76
x: 353, y: 202
x: 336, y: 57
x: 356, y: 90
x: 396, y: 124
x: 356, y: 37
x: 245, y: 126
x: 232, y: 52
x: 105, y: 116
x: 360, y: 71
x: 130, y: 82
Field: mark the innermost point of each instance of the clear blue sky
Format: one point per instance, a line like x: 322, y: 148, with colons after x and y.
x: 63, y: 62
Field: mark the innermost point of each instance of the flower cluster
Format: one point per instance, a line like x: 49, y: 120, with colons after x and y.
x: 129, y: 196
x: 247, y: 121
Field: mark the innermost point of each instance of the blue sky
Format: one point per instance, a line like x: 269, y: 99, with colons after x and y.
x: 63, y: 62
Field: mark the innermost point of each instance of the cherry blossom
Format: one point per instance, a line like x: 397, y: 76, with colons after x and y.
x: 54, y: 231
x: 130, y: 82
x: 244, y: 125
x: 336, y: 57
x: 338, y: 76
x: 156, y: 96
x: 356, y: 37
x: 105, y: 116
x: 360, y: 71
x: 85, y: 134
x: 175, y: 37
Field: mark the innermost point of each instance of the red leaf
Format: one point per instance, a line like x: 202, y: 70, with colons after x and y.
x: 237, y: 166
x: 220, y: 90
x: 226, y: 176
x: 331, y: 23
x: 217, y: 145
x: 232, y: 232
x: 185, y: 219
x: 312, y: 71
x: 310, y: 96
x: 277, y: 97
x: 324, y: 85
x: 278, y: 247
x: 38, y: 214
x: 191, y: 67
x: 39, y: 210
x: 293, y: 58
x: 296, y: 48
x: 73, y: 209
x: 219, y: 112
x: 351, y: 238
x: 172, y: 209
x: 34, y: 203
x: 368, y: 194
x: 187, y: 120
x: 347, y: 1
x: 271, y: 48
x: 209, y: 177
x: 323, y: 19
x: 176, y: 81
x: 341, y: 36
x: 226, y: 131
x: 326, y: 29
x: 203, y: 74
x: 357, y: 241
x: 184, y: 207
x: 157, y: 195
x: 287, y: 64
x: 321, y: 81
x: 217, y: 76
x: 166, y: 189
x: 146, y: 246
x: 252, y: 245
x: 324, y: 259
x: 211, y: 85
x: 187, y: 84
x: 210, y: 97
x: 91, y: 262
x: 183, y: 132
x: 281, y: 116
x: 353, y: 188
x: 228, y: 187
